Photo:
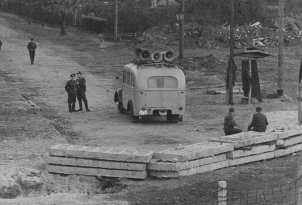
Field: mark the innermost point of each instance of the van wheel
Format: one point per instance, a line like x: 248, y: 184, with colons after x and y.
x: 172, y: 118
x: 134, y: 118
x: 120, y: 107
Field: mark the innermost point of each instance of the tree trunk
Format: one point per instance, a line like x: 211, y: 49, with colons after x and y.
x: 63, y: 24
x: 281, y: 46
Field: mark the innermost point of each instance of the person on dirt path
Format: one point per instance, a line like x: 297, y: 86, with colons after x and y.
x: 0, y: 44
x: 31, y: 46
x: 259, y: 121
x: 230, y: 124
x: 81, y: 91
x: 71, y: 89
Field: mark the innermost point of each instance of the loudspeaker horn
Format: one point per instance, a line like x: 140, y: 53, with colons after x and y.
x: 169, y: 55
x: 157, y: 56
x: 144, y: 54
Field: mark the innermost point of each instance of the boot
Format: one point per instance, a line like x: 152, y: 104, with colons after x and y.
x: 80, y: 105
x: 69, y: 107
x: 73, y: 108
x: 86, y: 106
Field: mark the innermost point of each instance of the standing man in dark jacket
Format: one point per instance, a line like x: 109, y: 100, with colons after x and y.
x: 31, y: 46
x: 259, y: 121
x: 230, y: 124
x: 0, y: 44
x: 81, y: 91
x: 71, y: 89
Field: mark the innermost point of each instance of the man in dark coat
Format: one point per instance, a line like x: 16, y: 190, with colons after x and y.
x: 230, y: 124
x: 71, y: 89
x: 31, y: 46
x: 259, y: 121
x: 0, y: 44
x: 81, y: 91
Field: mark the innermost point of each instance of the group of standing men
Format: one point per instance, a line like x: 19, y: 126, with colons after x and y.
x: 76, y: 88
x: 258, y: 124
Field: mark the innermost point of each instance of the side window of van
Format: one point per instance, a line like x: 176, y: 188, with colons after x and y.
x: 128, y: 77
x: 132, y: 80
x: 124, y: 76
x: 162, y: 82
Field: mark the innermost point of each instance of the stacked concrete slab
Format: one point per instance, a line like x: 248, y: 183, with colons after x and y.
x: 189, y: 160
x: 288, y: 141
x: 247, y: 147
x: 98, y: 161
x: 250, y: 147
x: 181, y: 161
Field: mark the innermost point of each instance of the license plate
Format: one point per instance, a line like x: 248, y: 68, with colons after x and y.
x: 162, y: 113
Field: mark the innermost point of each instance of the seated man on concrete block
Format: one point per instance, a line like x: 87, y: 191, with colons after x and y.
x: 259, y: 121
x: 230, y: 124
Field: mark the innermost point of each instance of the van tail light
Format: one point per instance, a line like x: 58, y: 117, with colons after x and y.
x: 180, y: 108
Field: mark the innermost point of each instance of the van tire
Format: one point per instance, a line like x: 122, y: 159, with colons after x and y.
x: 134, y: 118
x: 172, y: 118
x: 120, y: 108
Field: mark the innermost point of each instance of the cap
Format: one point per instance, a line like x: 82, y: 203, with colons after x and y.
x: 231, y: 109
x: 72, y: 75
x: 79, y: 72
x: 258, y: 109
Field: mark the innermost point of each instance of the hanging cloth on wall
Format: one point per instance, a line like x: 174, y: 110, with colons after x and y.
x: 252, y: 81
x: 231, y: 63
x: 256, y: 92
x: 246, y: 78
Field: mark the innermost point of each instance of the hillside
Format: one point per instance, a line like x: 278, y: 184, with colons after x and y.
x: 137, y: 16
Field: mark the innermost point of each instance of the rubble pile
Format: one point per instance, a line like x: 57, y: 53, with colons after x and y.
x: 209, y: 64
x: 214, y: 37
x: 204, y: 70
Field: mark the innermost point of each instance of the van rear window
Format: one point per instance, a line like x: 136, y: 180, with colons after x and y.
x: 162, y: 82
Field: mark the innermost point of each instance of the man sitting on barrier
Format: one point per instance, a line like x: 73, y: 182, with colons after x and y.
x: 230, y: 124
x: 259, y: 121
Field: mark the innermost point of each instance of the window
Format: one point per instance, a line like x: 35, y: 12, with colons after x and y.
x: 124, y: 76
x: 132, y: 80
x: 162, y: 82
x: 128, y: 77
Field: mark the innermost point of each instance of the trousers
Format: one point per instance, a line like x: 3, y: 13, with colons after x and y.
x: 232, y: 130
x: 71, y: 101
x: 32, y: 56
x: 82, y: 97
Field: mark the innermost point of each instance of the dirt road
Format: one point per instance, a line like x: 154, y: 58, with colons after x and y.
x: 104, y: 126
x: 26, y: 137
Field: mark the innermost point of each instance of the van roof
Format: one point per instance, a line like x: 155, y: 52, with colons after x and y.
x: 151, y: 65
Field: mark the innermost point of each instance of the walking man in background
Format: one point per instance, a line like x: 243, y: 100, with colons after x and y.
x: 31, y: 46
x: 259, y: 121
x: 71, y: 89
x: 81, y: 91
x: 0, y: 44
x: 230, y: 124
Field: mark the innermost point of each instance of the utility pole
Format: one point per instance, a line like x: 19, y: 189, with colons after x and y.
x: 281, y: 46
x: 181, y: 31
x: 230, y: 69
x: 116, y: 20
x: 76, y: 10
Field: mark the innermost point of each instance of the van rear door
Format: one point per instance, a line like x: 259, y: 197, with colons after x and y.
x: 170, y: 98
x: 153, y: 98
x: 162, y: 92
